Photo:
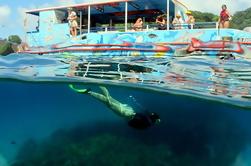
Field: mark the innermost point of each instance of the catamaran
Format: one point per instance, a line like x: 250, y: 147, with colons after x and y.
x: 106, y: 28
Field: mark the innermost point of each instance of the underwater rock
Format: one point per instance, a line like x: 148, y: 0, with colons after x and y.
x: 207, y: 141
x: 100, y: 150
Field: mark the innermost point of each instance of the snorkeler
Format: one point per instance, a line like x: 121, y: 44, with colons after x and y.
x: 135, y: 120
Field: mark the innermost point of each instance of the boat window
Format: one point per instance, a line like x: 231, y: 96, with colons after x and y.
x: 31, y: 23
x: 61, y: 17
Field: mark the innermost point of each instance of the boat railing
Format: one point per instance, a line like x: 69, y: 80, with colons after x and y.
x: 152, y: 26
x: 197, y: 25
x: 203, y: 25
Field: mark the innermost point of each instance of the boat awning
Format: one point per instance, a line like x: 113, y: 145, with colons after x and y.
x: 112, y: 6
x: 79, y: 6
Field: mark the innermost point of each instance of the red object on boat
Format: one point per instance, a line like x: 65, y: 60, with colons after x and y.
x: 86, y: 48
x: 221, y: 46
x: 126, y: 44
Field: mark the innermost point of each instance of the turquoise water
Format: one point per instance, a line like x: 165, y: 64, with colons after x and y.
x: 203, y: 101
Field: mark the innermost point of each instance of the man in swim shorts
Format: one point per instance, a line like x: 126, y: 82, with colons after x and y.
x: 136, y: 120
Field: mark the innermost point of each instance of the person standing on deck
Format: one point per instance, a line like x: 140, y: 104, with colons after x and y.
x: 190, y: 19
x: 136, y: 120
x: 72, y: 18
x: 178, y: 21
x: 225, y: 17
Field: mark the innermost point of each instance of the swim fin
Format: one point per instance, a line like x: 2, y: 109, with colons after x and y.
x: 79, y: 90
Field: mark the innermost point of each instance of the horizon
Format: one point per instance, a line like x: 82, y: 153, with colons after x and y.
x: 15, y: 9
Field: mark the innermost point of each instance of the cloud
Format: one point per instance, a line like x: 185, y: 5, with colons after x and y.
x: 214, y: 6
x: 5, y: 12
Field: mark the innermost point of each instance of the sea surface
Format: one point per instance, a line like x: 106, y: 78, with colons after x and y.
x: 204, y: 102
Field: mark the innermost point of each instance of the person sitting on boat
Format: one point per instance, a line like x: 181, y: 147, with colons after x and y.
x: 138, y: 25
x: 178, y: 21
x: 161, y: 22
x: 72, y: 18
x: 136, y: 120
x: 224, y: 18
x: 190, y: 19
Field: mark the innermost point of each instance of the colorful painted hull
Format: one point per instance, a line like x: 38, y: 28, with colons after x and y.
x: 131, y: 49
x: 148, y: 43
x: 150, y: 36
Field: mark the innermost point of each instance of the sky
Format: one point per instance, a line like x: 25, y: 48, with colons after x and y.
x: 12, y: 11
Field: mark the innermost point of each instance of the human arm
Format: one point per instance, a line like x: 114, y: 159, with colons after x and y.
x: 190, y: 20
x: 219, y: 19
x: 229, y: 15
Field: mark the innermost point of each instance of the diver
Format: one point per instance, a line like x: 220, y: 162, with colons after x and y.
x: 142, y: 120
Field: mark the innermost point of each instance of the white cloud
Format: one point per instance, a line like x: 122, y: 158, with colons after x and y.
x: 214, y: 6
x: 5, y: 12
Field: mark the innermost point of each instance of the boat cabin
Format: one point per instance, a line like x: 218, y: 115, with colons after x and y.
x: 102, y: 22
x: 50, y: 25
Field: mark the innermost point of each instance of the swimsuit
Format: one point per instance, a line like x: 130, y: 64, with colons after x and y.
x: 224, y: 16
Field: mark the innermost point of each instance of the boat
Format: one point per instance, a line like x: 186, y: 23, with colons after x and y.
x: 105, y: 28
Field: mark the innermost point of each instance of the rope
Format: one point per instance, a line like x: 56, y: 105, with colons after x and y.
x: 87, y: 69
x: 120, y: 73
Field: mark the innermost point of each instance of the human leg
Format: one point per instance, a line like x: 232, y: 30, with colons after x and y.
x: 226, y: 24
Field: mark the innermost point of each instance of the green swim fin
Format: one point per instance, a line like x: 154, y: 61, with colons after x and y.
x: 79, y: 90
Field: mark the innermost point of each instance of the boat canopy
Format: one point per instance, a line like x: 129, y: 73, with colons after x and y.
x: 115, y: 6
x: 119, y: 11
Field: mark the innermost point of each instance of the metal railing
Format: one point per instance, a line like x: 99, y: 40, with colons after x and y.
x: 146, y: 27
x: 153, y: 26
